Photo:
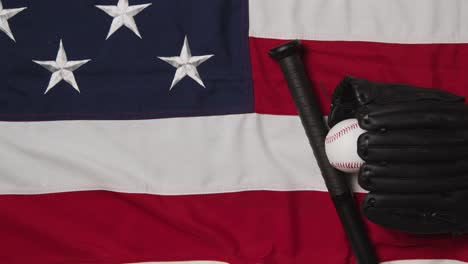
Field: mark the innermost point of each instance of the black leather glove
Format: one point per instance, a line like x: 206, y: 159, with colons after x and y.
x: 415, y: 153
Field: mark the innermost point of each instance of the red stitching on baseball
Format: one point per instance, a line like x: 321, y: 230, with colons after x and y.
x: 341, y: 133
x: 347, y: 165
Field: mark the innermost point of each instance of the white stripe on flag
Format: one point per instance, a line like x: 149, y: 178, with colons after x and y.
x: 168, y: 156
x: 393, y: 21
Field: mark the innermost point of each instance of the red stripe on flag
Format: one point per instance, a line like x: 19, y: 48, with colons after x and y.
x: 238, y: 228
x: 443, y: 66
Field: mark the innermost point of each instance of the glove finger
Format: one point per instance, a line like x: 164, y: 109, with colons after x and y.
x: 365, y: 92
x: 425, y: 114
x: 414, y: 177
x: 418, y: 213
x: 413, y: 145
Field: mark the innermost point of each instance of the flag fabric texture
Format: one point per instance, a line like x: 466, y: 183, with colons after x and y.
x: 144, y: 131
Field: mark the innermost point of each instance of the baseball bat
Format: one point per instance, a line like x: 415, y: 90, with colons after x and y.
x: 289, y: 57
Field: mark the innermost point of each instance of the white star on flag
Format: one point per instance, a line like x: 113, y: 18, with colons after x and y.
x: 123, y: 16
x: 62, y: 69
x: 6, y: 14
x: 186, y: 64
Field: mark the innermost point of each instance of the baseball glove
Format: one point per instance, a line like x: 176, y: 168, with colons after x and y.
x: 415, y: 152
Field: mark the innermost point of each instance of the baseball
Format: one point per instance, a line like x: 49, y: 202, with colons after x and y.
x: 341, y: 146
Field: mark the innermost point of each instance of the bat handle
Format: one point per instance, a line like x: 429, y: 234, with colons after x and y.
x: 289, y: 57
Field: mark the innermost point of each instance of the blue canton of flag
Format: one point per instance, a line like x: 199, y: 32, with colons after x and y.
x: 122, y: 59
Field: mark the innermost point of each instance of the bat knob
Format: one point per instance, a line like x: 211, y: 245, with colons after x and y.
x: 286, y: 50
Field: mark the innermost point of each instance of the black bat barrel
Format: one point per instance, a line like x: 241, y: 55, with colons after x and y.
x: 289, y: 57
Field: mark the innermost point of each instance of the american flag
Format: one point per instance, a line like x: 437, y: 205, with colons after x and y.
x: 160, y: 130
